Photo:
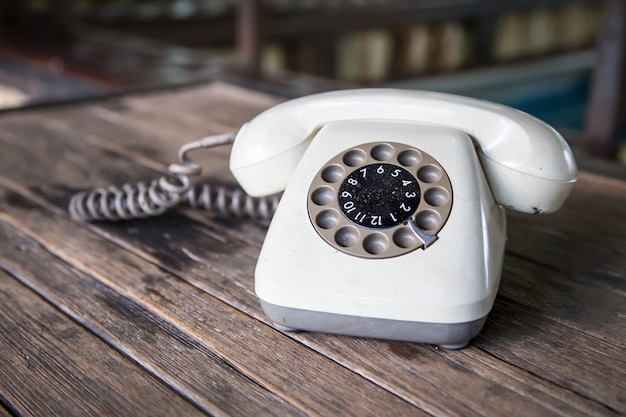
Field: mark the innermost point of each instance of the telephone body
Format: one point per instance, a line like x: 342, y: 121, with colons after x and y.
x: 392, y: 223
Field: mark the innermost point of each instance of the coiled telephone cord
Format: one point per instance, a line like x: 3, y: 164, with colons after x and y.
x: 140, y: 200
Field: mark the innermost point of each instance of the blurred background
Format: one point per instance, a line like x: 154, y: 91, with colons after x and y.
x: 560, y: 60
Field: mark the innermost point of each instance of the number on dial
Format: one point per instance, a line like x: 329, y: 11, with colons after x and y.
x: 379, y: 196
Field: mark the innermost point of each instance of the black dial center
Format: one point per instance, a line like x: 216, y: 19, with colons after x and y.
x: 379, y: 196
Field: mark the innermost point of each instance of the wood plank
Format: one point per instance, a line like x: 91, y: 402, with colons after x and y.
x: 311, y: 387
x: 198, y: 374
x: 49, y: 365
x: 194, y: 108
x: 569, y: 299
x: 597, y: 203
x: 145, y: 127
x: 374, y: 355
x: 314, y: 401
x: 116, y: 128
x: 281, y: 365
x: 420, y: 381
x: 543, y: 348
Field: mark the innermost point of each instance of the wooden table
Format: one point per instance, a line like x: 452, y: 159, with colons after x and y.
x: 159, y: 317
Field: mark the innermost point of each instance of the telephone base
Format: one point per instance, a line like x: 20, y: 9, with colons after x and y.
x: 445, y: 335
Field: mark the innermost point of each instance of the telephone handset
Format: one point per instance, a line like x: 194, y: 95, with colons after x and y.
x: 529, y: 165
x: 392, y: 221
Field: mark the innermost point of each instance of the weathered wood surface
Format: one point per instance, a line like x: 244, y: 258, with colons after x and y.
x: 159, y: 316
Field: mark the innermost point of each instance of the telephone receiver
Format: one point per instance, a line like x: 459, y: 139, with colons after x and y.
x: 392, y: 223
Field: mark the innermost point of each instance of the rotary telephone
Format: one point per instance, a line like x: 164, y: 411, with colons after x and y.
x: 392, y: 222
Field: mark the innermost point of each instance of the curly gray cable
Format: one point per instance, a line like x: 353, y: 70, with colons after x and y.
x: 140, y: 200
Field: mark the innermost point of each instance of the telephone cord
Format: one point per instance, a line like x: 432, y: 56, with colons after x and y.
x: 141, y: 200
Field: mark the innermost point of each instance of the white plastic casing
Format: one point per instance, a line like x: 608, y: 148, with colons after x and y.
x: 453, y: 281
x: 494, y: 156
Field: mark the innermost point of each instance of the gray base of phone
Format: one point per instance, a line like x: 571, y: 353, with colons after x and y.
x: 446, y: 335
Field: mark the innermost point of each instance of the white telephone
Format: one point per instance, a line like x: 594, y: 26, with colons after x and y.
x: 392, y: 222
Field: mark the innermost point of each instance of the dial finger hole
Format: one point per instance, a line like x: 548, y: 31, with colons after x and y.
x: 376, y: 243
x: 327, y: 219
x: 436, y: 196
x: 410, y: 158
x: 333, y: 173
x: 429, y: 173
x: 428, y: 220
x: 355, y: 158
x: 405, y: 238
x: 382, y: 152
x: 322, y: 196
x: 347, y: 236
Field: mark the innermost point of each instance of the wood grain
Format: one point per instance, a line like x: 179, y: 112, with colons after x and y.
x: 52, y: 366
x: 247, y: 345
x: 196, y: 372
x: 176, y: 293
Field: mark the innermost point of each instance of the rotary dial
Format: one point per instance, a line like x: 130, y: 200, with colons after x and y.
x: 380, y: 200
